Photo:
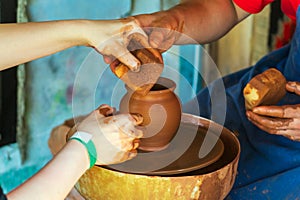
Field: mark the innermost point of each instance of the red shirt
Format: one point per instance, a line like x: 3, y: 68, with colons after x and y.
x: 289, y: 7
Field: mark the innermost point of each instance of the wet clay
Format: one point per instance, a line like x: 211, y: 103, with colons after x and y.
x: 267, y: 88
x: 161, y: 111
x: 150, y: 69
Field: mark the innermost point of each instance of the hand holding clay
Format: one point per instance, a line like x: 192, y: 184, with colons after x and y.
x: 280, y: 120
x: 113, y: 42
x: 163, y: 29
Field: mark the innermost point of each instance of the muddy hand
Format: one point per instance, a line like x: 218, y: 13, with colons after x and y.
x: 162, y: 28
x: 280, y: 120
x: 293, y: 86
x: 135, y: 41
x: 115, y: 137
x: 115, y: 47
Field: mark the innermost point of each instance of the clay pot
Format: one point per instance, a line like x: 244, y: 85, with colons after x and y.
x: 161, y: 111
x: 212, y: 182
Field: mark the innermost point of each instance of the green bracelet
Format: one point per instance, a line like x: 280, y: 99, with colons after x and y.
x: 85, y: 139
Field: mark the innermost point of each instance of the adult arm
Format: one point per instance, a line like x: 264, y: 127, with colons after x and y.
x: 202, y: 20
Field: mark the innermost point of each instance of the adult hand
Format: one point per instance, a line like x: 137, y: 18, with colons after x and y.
x: 116, y: 137
x: 162, y: 28
x: 280, y: 120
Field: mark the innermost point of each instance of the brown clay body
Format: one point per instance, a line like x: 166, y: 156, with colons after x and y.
x: 150, y: 70
x: 161, y: 110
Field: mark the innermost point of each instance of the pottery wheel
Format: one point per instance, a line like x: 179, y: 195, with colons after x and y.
x: 186, y: 152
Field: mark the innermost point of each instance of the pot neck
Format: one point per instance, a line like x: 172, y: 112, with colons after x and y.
x: 163, y: 85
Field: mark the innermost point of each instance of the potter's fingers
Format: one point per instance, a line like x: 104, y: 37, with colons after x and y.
x: 167, y: 44
x: 142, y: 39
x: 292, y: 134
x: 156, y: 53
x: 271, y: 111
x: 144, y: 42
x: 266, y: 129
x: 293, y: 86
x: 162, y: 38
x: 113, y: 66
x: 269, y: 122
x: 285, y: 111
x: 294, y: 124
x: 291, y: 111
x: 156, y: 38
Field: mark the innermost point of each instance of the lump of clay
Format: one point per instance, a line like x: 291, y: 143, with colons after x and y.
x: 150, y: 70
x: 266, y: 88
